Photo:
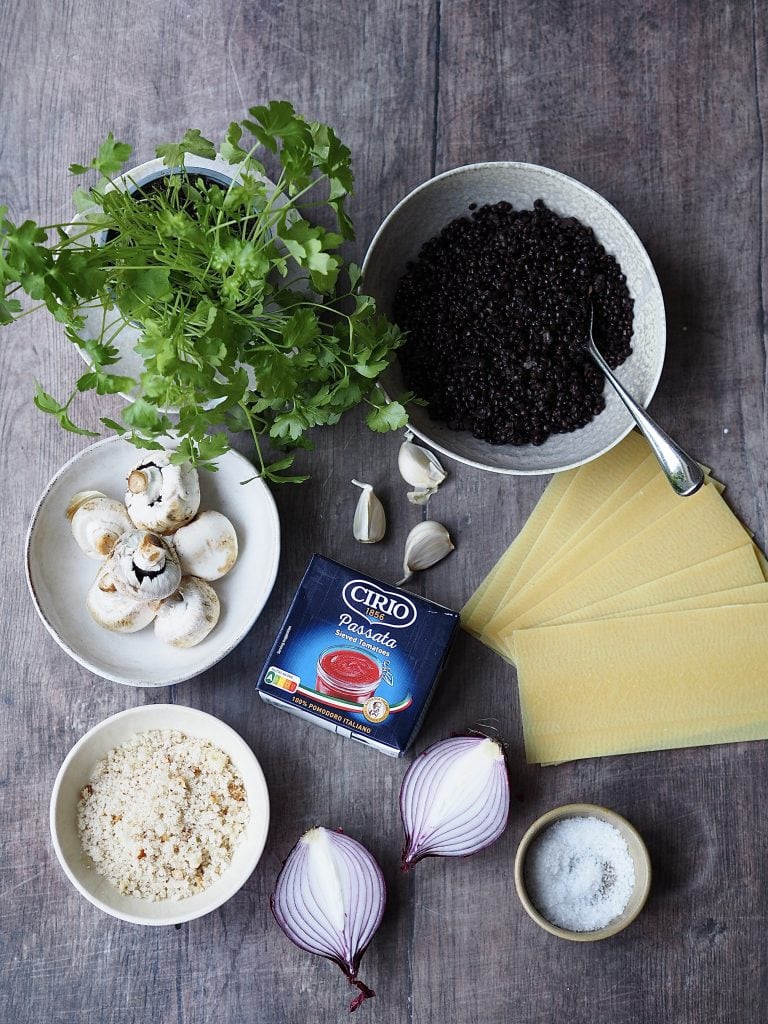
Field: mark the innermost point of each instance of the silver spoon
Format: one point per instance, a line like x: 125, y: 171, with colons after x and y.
x: 684, y: 473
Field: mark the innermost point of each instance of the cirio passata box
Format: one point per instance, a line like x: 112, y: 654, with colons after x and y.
x: 357, y: 656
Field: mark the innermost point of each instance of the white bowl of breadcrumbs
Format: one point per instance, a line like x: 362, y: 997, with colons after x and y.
x: 159, y: 814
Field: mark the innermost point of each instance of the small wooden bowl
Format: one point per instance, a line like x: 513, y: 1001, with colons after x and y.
x: 637, y: 851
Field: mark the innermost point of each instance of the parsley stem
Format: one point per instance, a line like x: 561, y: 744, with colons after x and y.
x: 255, y: 436
x: 26, y: 312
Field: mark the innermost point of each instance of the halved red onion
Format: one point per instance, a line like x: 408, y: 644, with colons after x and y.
x: 454, y: 799
x: 329, y: 899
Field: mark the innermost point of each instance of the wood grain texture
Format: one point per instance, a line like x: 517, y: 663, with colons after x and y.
x: 662, y: 108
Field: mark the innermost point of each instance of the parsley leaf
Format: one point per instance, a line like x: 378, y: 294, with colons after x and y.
x: 47, y: 403
x: 387, y: 417
x: 172, y: 154
x: 109, y: 160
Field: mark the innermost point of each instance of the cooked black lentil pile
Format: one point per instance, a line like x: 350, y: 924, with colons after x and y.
x: 496, y: 308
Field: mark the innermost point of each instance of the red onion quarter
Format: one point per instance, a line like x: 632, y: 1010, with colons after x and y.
x: 329, y: 899
x: 454, y: 799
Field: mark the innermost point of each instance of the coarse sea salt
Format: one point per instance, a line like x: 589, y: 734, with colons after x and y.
x: 579, y: 873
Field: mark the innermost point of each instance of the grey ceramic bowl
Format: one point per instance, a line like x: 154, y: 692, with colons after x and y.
x: 426, y: 210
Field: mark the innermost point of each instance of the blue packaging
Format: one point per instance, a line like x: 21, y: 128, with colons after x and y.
x: 358, y: 657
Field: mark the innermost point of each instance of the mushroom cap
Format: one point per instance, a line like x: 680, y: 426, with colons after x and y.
x: 161, y: 496
x: 188, y: 616
x: 79, y: 499
x: 144, y: 566
x: 207, y: 547
x: 98, y: 522
x: 114, y: 610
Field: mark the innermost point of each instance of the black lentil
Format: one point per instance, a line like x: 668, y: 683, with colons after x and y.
x: 496, y: 309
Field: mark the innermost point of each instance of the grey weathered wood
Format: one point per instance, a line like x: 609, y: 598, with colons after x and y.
x: 660, y: 107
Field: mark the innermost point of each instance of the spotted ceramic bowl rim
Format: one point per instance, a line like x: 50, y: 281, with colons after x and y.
x: 593, y: 195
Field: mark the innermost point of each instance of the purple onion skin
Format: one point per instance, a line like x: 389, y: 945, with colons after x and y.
x: 410, y: 855
x: 349, y: 970
x: 349, y: 966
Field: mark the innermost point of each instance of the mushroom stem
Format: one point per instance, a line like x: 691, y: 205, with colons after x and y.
x: 137, y: 482
x: 150, y: 550
x: 144, y: 566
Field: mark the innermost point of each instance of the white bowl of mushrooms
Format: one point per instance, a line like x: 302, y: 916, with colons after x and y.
x: 147, y: 572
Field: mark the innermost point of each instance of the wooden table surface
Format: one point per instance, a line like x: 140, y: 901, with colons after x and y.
x: 660, y: 106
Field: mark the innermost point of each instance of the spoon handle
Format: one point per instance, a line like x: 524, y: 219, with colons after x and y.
x: 684, y: 473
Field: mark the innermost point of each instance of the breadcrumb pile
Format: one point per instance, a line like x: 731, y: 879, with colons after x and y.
x: 162, y: 815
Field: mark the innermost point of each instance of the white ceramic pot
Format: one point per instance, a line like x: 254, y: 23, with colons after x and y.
x: 130, y: 364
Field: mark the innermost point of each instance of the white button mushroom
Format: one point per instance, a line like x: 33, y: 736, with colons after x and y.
x: 160, y: 496
x: 144, y: 566
x: 97, y: 522
x: 114, y: 610
x: 188, y: 616
x: 207, y: 547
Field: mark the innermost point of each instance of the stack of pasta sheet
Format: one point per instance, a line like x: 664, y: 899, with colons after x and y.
x: 637, y: 620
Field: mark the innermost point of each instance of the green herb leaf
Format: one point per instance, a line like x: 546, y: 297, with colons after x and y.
x: 387, y: 417
x: 172, y: 154
x: 112, y: 156
x: 117, y: 427
x: 9, y: 309
x: 142, y: 416
x: 212, y: 447
x: 145, y: 443
x: 276, y: 121
x: 109, y: 161
x: 105, y: 383
x: 139, y: 286
x: 48, y: 404
x: 66, y: 423
x: 355, y: 273
x: 230, y: 148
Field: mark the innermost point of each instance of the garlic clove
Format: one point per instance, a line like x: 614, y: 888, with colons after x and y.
x: 370, y: 522
x: 426, y: 545
x: 421, y: 469
x: 207, y: 547
x: 98, y: 522
x: 161, y: 496
x: 144, y: 566
x: 188, y: 615
x: 421, y: 495
x: 114, y: 610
